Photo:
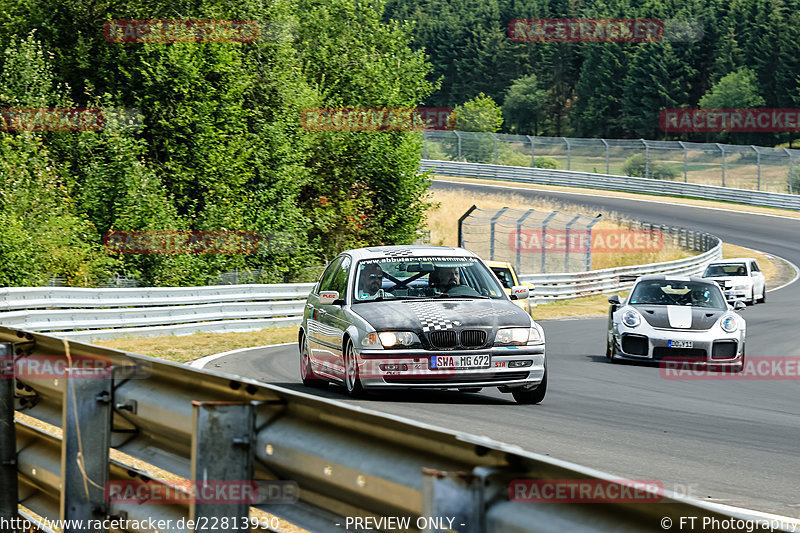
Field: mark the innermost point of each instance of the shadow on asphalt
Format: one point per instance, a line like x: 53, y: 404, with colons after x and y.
x: 337, y: 392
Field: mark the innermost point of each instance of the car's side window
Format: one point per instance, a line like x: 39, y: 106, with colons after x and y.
x: 326, y: 280
x: 754, y: 267
x: 339, y: 281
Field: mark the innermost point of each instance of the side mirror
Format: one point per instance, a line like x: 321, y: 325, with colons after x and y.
x: 738, y: 305
x: 519, y: 292
x: 328, y: 297
x: 614, y: 300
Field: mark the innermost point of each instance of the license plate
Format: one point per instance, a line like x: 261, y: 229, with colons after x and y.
x: 680, y: 344
x: 450, y: 362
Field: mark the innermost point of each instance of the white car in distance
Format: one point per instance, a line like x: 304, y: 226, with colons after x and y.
x: 739, y: 278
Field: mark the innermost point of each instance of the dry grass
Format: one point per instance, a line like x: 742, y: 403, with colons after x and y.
x: 766, y: 264
x: 652, y: 197
x: 443, y: 224
x: 189, y: 347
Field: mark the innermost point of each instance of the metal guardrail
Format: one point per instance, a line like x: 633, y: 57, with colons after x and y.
x: 197, y: 426
x: 107, y: 313
x: 84, y: 314
x: 610, y: 182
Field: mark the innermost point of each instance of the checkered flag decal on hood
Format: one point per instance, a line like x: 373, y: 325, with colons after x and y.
x: 431, y: 316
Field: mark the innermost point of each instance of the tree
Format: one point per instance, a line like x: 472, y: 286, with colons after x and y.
x: 735, y: 90
x: 598, y: 106
x: 478, y: 114
x: 524, y: 104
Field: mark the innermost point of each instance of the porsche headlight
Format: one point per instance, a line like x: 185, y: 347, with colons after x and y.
x: 729, y: 324
x: 391, y: 339
x: 631, y: 318
x: 512, y: 335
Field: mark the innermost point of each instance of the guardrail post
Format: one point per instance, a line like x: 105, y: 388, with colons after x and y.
x: 86, y: 420
x: 685, y: 162
x: 491, y: 232
x: 223, y: 453
x: 461, y: 222
x: 455, y: 495
x: 608, y: 154
x: 533, y: 158
x: 8, y: 439
x: 544, y: 237
x: 721, y: 149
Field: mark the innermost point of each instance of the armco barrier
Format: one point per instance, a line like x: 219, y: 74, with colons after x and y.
x: 152, y: 420
x: 609, y: 182
x: 83, y: 314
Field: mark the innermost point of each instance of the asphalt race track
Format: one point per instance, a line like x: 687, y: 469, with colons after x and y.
x: 730, y: 442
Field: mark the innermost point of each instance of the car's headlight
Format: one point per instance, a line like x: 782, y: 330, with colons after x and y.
x: 729, y: 324
x: 740, y: 287
x: 631, y: 318
x: 534, y: 335
x: 513, y: 335
x: 390, y: 339
x: 371, y: 340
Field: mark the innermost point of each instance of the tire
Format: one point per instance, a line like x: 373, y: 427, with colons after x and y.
x: 470, y: 389
x: 610, y: 351
x: 352, y: 382
x: 763, y: 298
x: 307, y: 374
x: 530, y: 397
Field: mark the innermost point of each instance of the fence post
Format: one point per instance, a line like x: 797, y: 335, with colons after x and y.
x: 491, y: 232
x: 685, y: 167
x: 544, y: 237
x: 721, y: 149
x: 458, y: 158
x: 86, y: 423
x: 520, y: 220
x: 569, y: 152
x: 566, y: 251
x: 8, y: 440
x: 758, y: 163
x: 646, y: 159
x: 460, y: 222
x: 588, y: 251
x: 607, y: 156
x: 790, y: 169
x: 223, y: 452
x: 494, y: 136
x: 533, y: 158
x: 424, y: 145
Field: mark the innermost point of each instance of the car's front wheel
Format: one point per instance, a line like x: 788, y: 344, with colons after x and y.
x: 763, y: 298
x: 351, y: 379
x: 610, y: 350
x: 528, y: 397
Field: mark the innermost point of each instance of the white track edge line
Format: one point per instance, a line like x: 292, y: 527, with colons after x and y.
x: 203, y: 361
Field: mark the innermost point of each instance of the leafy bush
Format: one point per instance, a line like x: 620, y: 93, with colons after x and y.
x: 546, y: 162
x: 636, y: 165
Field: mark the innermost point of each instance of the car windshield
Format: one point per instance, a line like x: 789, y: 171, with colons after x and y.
x: 670, y: 292
x: 424, y: 277
x: 728, y: 269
